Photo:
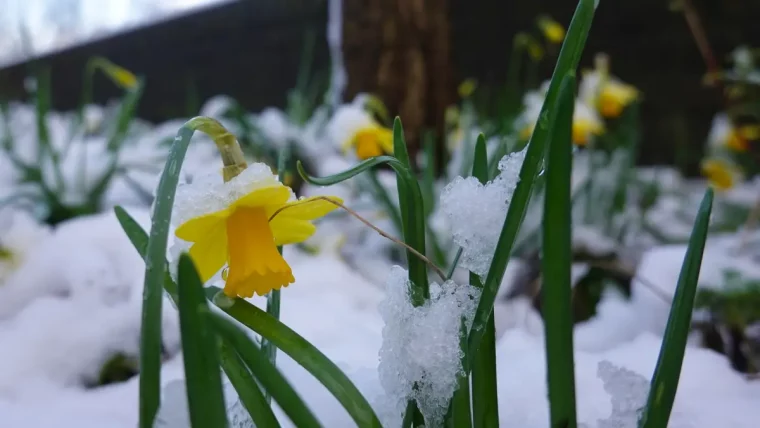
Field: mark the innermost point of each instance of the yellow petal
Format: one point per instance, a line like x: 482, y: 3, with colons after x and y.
x: 721, y: 174
x: 385, y: 137
x: 255, y: 266
x: 198, y: 228
x: 210, y: 252
x: 291, y: 231
x: 309, y: 208
x: 276, y: 195
x: 368, y: 147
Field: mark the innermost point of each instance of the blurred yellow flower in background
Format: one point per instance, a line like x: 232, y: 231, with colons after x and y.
x: 553, y: 31
x: 467, y: 88
x: 721, y: 173
x: 609, y: 95
x: 738, y: 139
x: 584, y: 129
x: 586, y: 121
x: 371, y: 141
x: 614, y: 97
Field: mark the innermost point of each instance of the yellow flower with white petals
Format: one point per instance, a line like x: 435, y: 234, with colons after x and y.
x: 371, y: 141
x: 721, y: 173
x: 609, y: 95
x: 725, y: 135
x: 354, y: 128
x: 586, y: 122
x: 240, y: 224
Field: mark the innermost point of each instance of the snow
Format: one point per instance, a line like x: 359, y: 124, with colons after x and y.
x: 705, y: 378
x: 421, y: 357
x: 476, y: 212
x: 83, y: 326
x: 661, y: 266
x: 71, y: 295
x: 211, y: 194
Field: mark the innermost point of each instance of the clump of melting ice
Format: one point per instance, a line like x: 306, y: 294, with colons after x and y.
x: 420, y: 355
x: 629, y: 391
x: 476, y: 212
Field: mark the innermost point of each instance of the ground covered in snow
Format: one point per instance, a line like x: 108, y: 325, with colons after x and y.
x: 75, y: 301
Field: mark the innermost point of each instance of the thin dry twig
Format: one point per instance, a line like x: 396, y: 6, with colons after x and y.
x: 429, y: 262
x: 700, y: 38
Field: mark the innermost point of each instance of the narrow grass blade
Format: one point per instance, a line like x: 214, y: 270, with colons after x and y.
x: 412, y: 216
x: 410, y: 202
x: 385, y: 200
x: 155, y: 273
x: 245, y: 385
x: 567, y: 62
x: 664, y: 385
x: 42, y: 107
x: 126, y: 114
x: 485, y: 404
x: 271, y: 379
x: 305, y: 354
x: 205, y: 398
x: 139, y: 239
x: 412, y: 416
x: 557, y: 262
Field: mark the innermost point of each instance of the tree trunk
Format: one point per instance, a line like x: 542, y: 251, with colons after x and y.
x: 399, y: 51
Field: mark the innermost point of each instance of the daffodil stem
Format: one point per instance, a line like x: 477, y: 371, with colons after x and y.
x: 228, y: 146
x: 273, y: 298
x: 382, y: 233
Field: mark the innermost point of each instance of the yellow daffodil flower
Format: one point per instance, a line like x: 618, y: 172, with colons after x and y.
x: 245, y: 235
x: 553, y: 31
x: 721, y: 173
x: 118, y: 74
x: 607, y: 94
x: 584, y: 129
x: 467, y: 87
x: 739, y: 139
x: 370, y: 141
x: 586, y: 124
x: 735, y: 141
x: 614, y: 97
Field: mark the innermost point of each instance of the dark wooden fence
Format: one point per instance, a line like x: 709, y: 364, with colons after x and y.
x: 250, y: 50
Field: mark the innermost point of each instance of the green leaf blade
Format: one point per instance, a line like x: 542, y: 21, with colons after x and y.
x: 305, y: 354
x: 249, y: 393
x: 667, y: 372
x: 557, y: 263
x: 155, y: 274
x: 271, y: 379
x: 485, y: 402
x: 569, y: 56
x: 203, y: 379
